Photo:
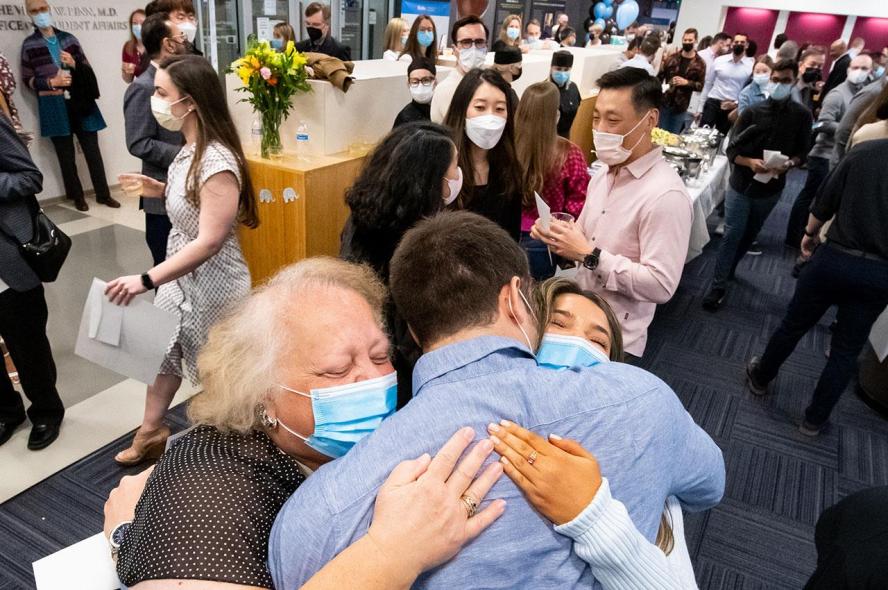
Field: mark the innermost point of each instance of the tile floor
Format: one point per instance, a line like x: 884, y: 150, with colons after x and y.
x: 101, y: 405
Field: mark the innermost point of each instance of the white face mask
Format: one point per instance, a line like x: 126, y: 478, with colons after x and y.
x: 163, y: 112
x: 190, y: 30
x: 472, y: 58
x: 404, y: 39
x: 485, y: 131
x: 762, y: 80
x: 857, y: 76
x: 422, y: 94
x: 609, y: 146
x: 532, y: 314
x: 455, y: 185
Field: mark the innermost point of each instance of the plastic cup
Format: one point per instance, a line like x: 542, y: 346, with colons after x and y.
x: 131, y: 184
x: 561, y: 216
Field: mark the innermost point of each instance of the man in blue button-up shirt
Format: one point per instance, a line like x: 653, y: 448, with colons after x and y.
x: 471, y: 318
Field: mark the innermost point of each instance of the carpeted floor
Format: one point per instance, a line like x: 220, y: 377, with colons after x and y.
x: 778, y: 481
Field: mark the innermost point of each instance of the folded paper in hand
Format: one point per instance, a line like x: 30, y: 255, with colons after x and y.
x: 86, y: 565
x: 772, y: 160
x: 129, y: 340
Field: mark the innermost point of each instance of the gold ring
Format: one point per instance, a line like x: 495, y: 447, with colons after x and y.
x: 470, y: 504
x: 532, y: 457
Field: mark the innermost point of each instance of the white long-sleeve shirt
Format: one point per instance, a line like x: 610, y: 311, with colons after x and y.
x: 621, y: 557
x: 444, y: 95
x: 726, y: 78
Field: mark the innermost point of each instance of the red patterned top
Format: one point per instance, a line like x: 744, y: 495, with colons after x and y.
x: 564, y: 191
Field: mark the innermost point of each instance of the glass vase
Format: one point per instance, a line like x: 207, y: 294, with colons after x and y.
x: 271, y: 147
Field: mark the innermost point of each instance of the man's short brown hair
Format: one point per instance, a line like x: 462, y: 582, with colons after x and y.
x: 316, y: 7
x: 447, y: 273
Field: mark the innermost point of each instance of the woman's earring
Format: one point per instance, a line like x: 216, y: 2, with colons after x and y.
x: 267, y: 421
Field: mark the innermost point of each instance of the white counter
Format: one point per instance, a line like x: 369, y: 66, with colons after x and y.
x: 363, y: 115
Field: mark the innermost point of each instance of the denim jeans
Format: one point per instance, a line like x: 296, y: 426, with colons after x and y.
x: 744, y: 218
x: 818, y: 169
x: 672, y: 121
x: 541, y: 266
x: 859, y: 288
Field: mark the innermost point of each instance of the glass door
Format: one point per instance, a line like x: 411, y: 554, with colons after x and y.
x: 220, y: 38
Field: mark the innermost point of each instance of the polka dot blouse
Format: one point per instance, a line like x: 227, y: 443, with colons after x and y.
x: 207, y: 510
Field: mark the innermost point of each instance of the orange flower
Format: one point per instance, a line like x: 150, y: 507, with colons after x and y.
x: 272, y: 81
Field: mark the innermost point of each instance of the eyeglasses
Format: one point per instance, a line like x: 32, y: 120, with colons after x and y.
x: 414, y: 82
x: 468, y: 43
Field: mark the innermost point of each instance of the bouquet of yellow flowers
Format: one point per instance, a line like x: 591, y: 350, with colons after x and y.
x: 271, y: 78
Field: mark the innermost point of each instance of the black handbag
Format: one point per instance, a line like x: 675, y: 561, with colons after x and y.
x: 48, y: 248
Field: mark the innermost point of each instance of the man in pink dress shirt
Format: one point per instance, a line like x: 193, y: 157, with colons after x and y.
x: 631, y: 239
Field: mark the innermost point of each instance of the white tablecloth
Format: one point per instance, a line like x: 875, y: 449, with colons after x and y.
x: 707, y: 193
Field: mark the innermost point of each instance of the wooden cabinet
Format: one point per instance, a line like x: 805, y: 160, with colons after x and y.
x: 301, y: 210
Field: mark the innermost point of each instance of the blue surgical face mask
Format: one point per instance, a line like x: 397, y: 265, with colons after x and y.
x: 561, y: 78
x: 137, y: 32
x: 425, y: 38
x: 557, y: 351
x: 43, y: 20
x: 777, y: 91
x: 277, y: 43
x: 344, y: 414
x: 878, y: 72
x: 762, y: 80
x: 513, y: 33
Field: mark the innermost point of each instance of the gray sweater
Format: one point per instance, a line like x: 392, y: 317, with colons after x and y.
x: 834, y: 106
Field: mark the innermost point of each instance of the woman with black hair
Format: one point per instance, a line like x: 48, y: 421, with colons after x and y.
x: 481, y: 119
x: 413, y: 173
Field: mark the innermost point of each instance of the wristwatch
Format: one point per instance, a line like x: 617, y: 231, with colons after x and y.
x: 147, y: 282
x: 591, y: 261
x: 116, y: 537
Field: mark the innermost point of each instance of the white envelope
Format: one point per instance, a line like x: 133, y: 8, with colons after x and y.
x: 544, y: 211
x: 129, y: 340
x: 772, y: 159
x: 86, y: 565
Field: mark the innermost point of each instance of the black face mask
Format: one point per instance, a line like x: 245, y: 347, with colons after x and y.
x: 687, y: 47
x: 314, y: 33
x: 518, y: 75
x: 739, y: 49
x: 812, y: 75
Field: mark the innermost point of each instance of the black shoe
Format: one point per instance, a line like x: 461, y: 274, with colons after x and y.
x: 110, y: 202
x: 809, y: 429
x: 756, y: 385
x: 43, y: 435
x: 80, y: 205
x: 7, y: 429
x: 714, y: 298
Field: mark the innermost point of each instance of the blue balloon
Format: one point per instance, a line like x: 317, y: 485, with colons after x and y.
x: 608, y: 2
x: 627, y: 12
x: 609, y: 11
x: 599, y: 10
x: 600, y: 22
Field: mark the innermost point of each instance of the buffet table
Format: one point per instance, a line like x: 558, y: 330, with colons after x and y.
x: 707, y: 193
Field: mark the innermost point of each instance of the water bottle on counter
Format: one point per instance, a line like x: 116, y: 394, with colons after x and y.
x: 256, y: 136
x: 302, y: 141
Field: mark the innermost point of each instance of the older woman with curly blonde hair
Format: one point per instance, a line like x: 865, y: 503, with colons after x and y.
x: 296, y: 374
